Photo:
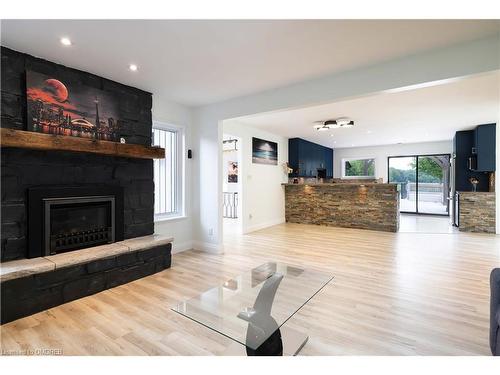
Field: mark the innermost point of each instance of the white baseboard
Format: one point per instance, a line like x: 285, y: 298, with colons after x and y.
x: 266, y: 224
x: 197, y: 245
x: 208, y: 247
x: 180, y: 247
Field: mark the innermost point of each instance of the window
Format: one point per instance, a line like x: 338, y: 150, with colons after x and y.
x: 358, y: 168
x: 168, y: 172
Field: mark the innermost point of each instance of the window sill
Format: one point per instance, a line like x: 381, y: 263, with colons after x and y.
x: 159, y: 219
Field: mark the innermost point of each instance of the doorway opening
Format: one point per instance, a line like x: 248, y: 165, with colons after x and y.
x: 423, y: 182
x: 231, y: 184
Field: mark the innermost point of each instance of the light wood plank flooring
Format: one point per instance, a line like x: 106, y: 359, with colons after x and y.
x: 393, y: 294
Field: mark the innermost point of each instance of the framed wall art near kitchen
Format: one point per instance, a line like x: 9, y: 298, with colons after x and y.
x: 264, y: 152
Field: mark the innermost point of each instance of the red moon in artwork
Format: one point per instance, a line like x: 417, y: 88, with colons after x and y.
x: 57, y: 89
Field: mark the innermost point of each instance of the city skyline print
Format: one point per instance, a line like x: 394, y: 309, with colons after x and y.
x: 58, y: 107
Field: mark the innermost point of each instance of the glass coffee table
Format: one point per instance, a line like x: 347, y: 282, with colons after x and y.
x: 251, y: 309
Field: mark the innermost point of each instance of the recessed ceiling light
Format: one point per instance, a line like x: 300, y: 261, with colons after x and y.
x: 368, y: 132
x: 66, y: 41
x: 133, y: 67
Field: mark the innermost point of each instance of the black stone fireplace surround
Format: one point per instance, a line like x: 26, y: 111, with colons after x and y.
x: 28, y: 176
x: 23, y: 169
x: 68, y: 218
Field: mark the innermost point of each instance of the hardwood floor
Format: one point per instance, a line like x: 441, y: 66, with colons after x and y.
x: 393, y: 294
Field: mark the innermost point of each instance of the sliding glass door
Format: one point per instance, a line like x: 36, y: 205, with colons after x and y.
x: 403, y: 171
x: 423, y: 182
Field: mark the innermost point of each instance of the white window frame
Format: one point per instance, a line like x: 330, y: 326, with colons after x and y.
x: 179, y: 171
x: 344, y: 177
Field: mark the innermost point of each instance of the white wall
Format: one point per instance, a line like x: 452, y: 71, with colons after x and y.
x: 206, y: 199
x: 381, y: 153
x: 431, y: 66
x: 182, y: 228
x: 262, y: 195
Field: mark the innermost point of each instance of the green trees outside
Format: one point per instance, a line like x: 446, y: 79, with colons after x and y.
x: 430, y: 170
x: 362, y: 167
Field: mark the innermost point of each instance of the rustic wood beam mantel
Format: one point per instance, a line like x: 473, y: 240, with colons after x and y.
x: 52, y: 142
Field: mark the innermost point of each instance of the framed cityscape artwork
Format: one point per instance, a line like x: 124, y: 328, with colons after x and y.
x: 57, y: 107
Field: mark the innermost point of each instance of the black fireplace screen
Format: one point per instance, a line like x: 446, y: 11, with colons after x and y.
x: 65, y: 218
x: 78, y: 222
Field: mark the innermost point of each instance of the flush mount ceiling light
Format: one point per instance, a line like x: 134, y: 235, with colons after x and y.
x: 133, y: 67
x: 66, y: 41
x: 343, y: 122
x: 321, y: 127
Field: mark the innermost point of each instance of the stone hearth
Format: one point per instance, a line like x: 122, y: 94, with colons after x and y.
x: 32, y: 285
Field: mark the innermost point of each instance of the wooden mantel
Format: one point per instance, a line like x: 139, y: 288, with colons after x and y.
x: 40, y: 141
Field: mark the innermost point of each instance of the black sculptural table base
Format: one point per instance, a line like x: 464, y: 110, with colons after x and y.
x: 293, y: 342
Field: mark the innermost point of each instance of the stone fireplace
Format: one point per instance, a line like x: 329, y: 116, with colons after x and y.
x: 25, y: 169
x: 74, y: 222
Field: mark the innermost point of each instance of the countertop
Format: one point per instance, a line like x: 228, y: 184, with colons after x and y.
x: 477, y: 192
x: 339, y: 184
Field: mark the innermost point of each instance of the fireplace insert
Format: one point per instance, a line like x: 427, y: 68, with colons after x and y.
x: 72, y: 218
x: 78, y: 222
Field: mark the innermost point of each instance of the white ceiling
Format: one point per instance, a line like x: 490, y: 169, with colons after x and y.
x: 420, y: 115
x: 197, y: 62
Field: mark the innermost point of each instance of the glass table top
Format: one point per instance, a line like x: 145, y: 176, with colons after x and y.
x: 263, y: 298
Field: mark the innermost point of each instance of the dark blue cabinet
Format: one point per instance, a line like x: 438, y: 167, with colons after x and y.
x: 328, y: 158
x: 463, y: 144
x: 293, y: 156
x: 306, y: 157
x: 484, y: 148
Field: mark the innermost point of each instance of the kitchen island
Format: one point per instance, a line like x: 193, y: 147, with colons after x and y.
x: 477, y: 212
x: 373, y: 206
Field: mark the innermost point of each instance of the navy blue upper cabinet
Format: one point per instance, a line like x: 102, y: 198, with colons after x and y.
x: 306, y: 157
x: 463, y: 143
x: 484, y: 147
x: 293, y: 155
x: 328, y: 157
